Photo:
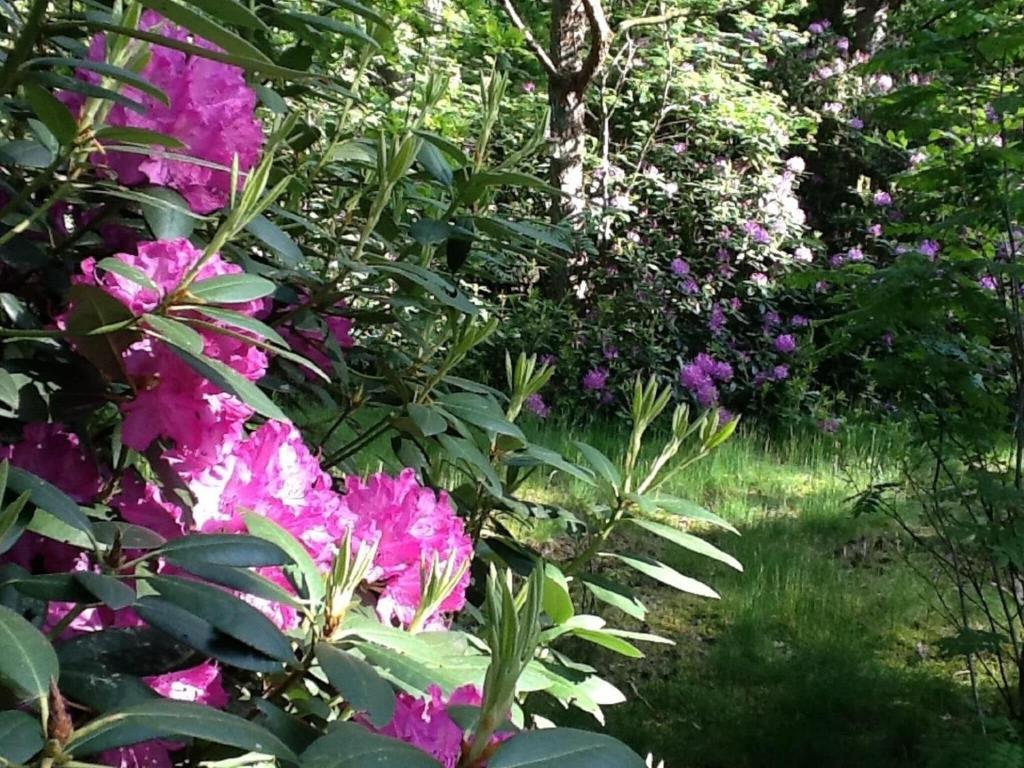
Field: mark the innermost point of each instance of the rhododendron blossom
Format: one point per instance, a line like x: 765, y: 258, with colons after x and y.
x: 412, y: 526
x: 427, y: 725
x: 211, y: 111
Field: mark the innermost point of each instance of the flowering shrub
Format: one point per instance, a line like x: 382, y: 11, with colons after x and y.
x: 199, y: 555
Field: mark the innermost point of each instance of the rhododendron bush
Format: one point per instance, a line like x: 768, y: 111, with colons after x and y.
x: 250, y: 510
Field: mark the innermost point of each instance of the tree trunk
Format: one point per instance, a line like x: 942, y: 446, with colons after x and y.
x: 568, y: 129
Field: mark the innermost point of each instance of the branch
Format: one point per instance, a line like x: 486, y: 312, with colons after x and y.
x: 645, y: 21
x: 531, y: 41
x: 600, y: 41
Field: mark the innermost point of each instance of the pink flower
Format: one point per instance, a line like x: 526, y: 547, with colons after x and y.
x: 426, y: 724
x: 211, y: 111
x: 201, y: 685
x: 411, y: 525
x: 312, y: 343
x: 56, y: 455
x: 529, y: 86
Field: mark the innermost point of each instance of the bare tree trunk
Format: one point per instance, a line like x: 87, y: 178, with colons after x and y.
x: 568, y: 127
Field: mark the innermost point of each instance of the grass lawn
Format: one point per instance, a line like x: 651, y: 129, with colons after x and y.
x: 821, y: 653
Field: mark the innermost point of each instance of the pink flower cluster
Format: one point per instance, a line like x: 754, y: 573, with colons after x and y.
x: 428, y: 725
x: 203, y: 437
x: 210, y: 110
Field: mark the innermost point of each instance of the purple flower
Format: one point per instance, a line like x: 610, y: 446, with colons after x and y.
x: 536, y: 405
x: 785, y: 343
x: 988, y: 282
x: 838, y: 260
x: 680, y: 267
x: 875, y: 230
x: 819, y: 27
x: 822, y: 286
x: 780, y: 373
x: 843, y: 44
x: 717, y: 322
x: 758, y: 233
x: 693, y: 377
x: 855, y: 254
x: 830, y: 425
x: 930, y: 248
x: 888, y: 338
x: 856, y: 123
x: 799, y: 321
x: 735, y: 303
x: 679, y: 147
x: 610, y: 352
x: 690, y: 286
x: 771, y: 319
x: 759, y: 278
x: 529, y: 86
x: 596, y: 379
x: 991, y: 113
x: 548, y: 359
x: 882, y: 199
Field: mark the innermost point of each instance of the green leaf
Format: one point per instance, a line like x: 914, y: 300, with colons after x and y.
x: 430, y: 231
x: 60, y: 82
x: 433, y: 283
x: 94, y: 312
x: 165, y: 718
x: 108, y: 70
x: 450, y: 148
x: 461, y: 449
x: 351, y: 746
x: 481, y: 411
x: 615, y: 594
x: 363, y: 689
x: 564, y: 748
x: 48, y: 498
x: 113, y: 593
x: 176, y: 333
x: 243, y: 580
x: 231, y: 289
x: 20, y: 736
x: 122, y: 134
x: 276, y: 238
x: 664, y: 574
x: 226, y: 613
x: 433, y: 161
x: 26, y: 153
x: 359, y: 10
x: 231, y: 549
x: 557, y: 601
x: 188, y: 629
x: 333, y: 25
x: 232, y: 382
x: 52, y: 112
x: 206, y: 28
x: 604, y: 466
x: 611, y: 642
x: 427, y: 419
x: 231, y: 12
x: 100, y: 689
x: 130, y: 536
x: 167, y: 214
x: 28, y: 662
x: 312, y: 582
x: 687, y: 541
x: 238, y: 320
x: 689, y: 511
x: 127, y: 271
x: 138, y: 651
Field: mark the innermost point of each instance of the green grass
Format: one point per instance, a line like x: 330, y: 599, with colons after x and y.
x: 821, y: 653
